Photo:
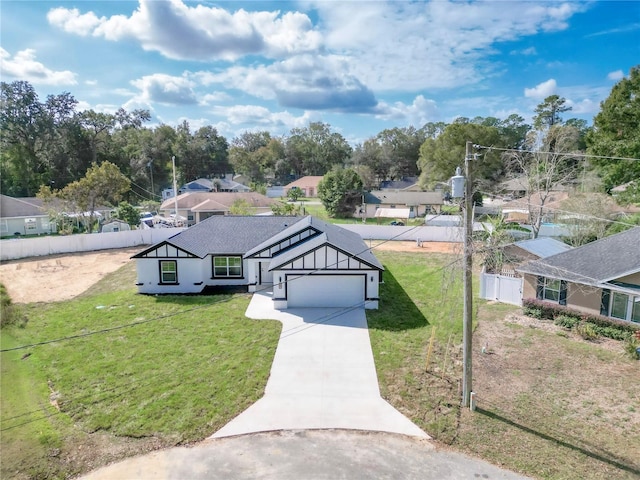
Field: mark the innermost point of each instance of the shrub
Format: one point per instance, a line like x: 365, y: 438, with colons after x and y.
x: 566, y: 321
x: 605, y: 326
x: 587, y: 331
x: 631, y: 346
x: 9, y: 315
x: 532, y: 312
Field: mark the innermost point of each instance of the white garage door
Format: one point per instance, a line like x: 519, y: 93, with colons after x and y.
x: 325, y: 290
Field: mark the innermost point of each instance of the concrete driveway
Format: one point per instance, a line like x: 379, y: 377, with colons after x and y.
x: 323, y: 376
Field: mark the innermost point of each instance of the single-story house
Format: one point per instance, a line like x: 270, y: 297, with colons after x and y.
x: 418, y: 203
x: 523, y: 251
x: 305, y: 261
x: 24, y: 216
x: 308, y: 185
x: 195, y: 207
x: 601, y: 277
x: 115, y: 225
x: 407, y: 184
x: 518, y: 210
x: 224, y: 184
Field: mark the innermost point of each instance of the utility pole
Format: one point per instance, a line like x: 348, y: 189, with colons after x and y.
x: 175, y: 191
x: 467, y: 327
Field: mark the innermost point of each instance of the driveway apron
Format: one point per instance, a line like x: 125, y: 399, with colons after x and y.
x: 323, y: 376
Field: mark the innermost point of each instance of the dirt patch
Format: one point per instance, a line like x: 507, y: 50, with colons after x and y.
x: 423, y: 247
x: 59, y: 277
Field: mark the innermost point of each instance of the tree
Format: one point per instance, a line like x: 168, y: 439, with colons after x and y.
x: 400, y: 148
x: 294, y: 194
x: 254, y: 154
x: 440, y: 156
x: 548, y: 112
x: 103, y: 184
x: 314, y: 150
x: 587, y: 216
x: 240, y: 207
x: 340, y: 191
x: 547, y: 164
x: 616, y: 133
x: 128, y: 213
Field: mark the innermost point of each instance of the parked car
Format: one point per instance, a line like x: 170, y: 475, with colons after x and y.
x: 397, y: 223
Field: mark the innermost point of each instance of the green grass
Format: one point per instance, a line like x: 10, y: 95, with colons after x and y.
x: 190, y: 365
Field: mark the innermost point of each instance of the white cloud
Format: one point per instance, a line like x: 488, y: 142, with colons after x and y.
x: 23, y: 66
x: 216, y: 97
x: 199, y: 32
x: 615, y: 76
x: 419, y: 112
x: 166, y: 89
x: 542, y: 90
x: 243, y: 117
x: 584, y: 106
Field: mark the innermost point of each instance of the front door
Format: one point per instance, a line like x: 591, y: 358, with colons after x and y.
x: 266, y: 277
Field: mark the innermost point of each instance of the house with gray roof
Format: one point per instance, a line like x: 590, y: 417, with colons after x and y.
x: 304, y: 261
x: 602, y: 277
x: 24, y: 216
x: 418, y: 203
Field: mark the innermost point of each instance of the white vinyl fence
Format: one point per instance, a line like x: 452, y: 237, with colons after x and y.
x: 13, y: 249
x: 505, y: 289
x: 392, y: 232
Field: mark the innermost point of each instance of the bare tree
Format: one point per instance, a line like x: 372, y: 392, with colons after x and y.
x: 547, y: 164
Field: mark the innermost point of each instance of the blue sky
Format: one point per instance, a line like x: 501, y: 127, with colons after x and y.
x: 359, y: 66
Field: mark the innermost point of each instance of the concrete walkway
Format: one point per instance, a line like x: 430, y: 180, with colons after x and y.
x: 323, y: 376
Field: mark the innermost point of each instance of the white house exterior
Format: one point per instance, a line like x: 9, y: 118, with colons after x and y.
x: 307, y: 262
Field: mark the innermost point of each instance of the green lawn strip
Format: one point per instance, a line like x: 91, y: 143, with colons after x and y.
x: 189, y: 366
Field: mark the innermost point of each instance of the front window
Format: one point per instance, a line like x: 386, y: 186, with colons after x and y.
x: 168, y: 271
x: 551, y: 290
x: 619, y: 303
x: 227, y: 266
x: 635, y: 311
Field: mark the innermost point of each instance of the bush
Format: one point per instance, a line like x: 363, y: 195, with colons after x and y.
x: 566, y: 321
x: 9, y: 315
x: 631, y: 346
x: 587, y: 331
x: 601, y: 325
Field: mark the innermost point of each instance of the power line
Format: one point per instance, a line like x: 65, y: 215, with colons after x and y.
x: 569, y: 154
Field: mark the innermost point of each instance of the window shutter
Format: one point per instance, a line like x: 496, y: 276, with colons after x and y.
x: 563, y: 292
x: 604, y: 302
x: 539, y: 288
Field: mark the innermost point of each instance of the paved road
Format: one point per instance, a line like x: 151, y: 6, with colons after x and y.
x: 305, y: 455
x: 323, y: 376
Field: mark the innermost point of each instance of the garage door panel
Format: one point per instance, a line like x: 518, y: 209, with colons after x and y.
x: 325, y: 290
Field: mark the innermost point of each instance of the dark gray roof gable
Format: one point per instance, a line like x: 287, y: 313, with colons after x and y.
x: 228, y: 234
x: 594, y: 263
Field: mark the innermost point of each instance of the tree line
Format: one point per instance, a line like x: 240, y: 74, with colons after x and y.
x: 50, y: 143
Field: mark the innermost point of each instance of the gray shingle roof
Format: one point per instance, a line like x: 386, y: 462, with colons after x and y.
x: 403, y: 198
x: 594, y: 263
x: 229, y: 234
x: 543, y: 246
x: 341, y: 238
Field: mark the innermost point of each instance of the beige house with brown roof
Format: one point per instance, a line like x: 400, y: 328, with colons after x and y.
x: 196, y: 206
x: 308, y: 185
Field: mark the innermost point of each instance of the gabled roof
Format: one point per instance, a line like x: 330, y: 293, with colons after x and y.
x: 594, y: 263
x: 20, y: 207
x: 543, y: 246
x: 288, y: 232
x: 349, y: 242
x: 382, y: 197
x: 308, y: 181
x: 189, y: 200
x: 401, y: 184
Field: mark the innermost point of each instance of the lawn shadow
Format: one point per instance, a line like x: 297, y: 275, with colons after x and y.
x: 396, y: 310
x: 604, y: 457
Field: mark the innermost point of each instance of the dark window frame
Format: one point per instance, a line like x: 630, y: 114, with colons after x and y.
x: 162, y: 273
x: 227, y: 266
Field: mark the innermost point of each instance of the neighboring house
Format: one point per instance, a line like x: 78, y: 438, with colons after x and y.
x: 115, y: 225
x: 24, y: 216
x: 518, y: 210
x: 195, y: 207
x: 418, y: 203
x: 506, y: 284
x: 308, y: 185
x: 225, y: 184
x: 306, y: 262
x: 409, y: 184
x: 602, y: 277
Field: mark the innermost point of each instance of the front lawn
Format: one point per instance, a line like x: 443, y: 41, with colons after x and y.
x: 186, y: 366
